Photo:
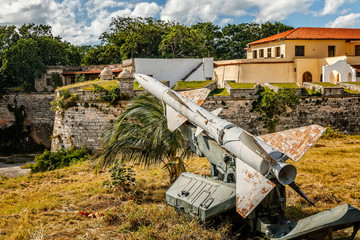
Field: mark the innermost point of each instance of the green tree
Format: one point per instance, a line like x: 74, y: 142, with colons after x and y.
x: 211, y: 34
x: 135, y: 37
x: 272, y: 105
x: 22, y: 64
x: 181, y: 41
x: 140, y: 135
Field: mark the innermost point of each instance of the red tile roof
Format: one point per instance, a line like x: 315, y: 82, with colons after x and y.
x: 313, y: 34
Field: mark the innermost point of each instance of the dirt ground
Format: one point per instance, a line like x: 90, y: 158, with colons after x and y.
x: 11, y: 166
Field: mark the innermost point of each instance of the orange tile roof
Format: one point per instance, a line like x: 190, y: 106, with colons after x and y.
x: 313, y: 34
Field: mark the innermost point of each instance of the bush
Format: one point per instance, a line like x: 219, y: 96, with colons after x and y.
x: 122, y: 177
x: 55, y: 160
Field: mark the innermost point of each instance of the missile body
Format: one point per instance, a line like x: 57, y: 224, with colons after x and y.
x: 249, y: 149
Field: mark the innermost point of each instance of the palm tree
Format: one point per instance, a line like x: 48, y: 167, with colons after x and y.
x: 140, y: 135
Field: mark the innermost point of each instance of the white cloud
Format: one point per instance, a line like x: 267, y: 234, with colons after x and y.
x: 331, y: 6
x: 74, y: 20
x: 351, y: 20
x: 190, y: 12
x: 146, y: 9
x: 278, y: 10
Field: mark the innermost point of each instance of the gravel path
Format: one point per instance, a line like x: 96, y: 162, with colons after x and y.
x: 11, y: 166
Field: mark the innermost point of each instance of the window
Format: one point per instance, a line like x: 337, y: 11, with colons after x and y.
x: 254, y: 54
x: 299, y: 51
x: 48, y: 81
x: 358, y: 74
x: 277, y: 52
x: 261, y: 53
x: 269, y: 52
x: 331, y: 51
x: 357, y: 50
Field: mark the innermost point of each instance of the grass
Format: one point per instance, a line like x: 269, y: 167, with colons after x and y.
x: 241, y: 85
x: 219, y: 92
x: 46, y: 205
x: 107, y: 85
x: 137, y: 86
x: 88, y: 85
x: 351, y: 91
x: 310, y: 92
x: 325, y: 84
x: 355, y: 83
x: 285, y: 85
x: 182, y: 85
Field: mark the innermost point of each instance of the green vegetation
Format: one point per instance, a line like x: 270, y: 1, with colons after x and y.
x: 55, y: 160
x: 137, y: 86
x: 65, y: 101
x: 241, y: 85
x: 26, y: 50
x: 182, y: 85
x: 112, y: 95
x: 271, y: 105
x: 310, y: 92
x: 122, y: 178
x: 82, y: 84
x: 354, y: 83
x: 56, y: 80
x: 351, y: 91
x: 325, y: 84
x: 219, y: 92
x: 141, y: 135
x: 285, y: 85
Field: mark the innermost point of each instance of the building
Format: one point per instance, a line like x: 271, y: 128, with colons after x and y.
x: 67, y: 74
x: 173, y: 70
x: 298, y: 55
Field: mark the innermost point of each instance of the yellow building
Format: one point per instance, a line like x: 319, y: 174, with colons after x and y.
x: 298, y: 55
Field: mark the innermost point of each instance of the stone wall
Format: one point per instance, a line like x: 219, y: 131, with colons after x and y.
x: 85, y: 124
x: 342, y: 113
x: 39, y: 119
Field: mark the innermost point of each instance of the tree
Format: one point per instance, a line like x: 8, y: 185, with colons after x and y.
x: 26, y: 50
x: 135, y: 37
x: 140, y: 135
x: 22, y: 64
x: 181, y: 41
x: 211, y: 34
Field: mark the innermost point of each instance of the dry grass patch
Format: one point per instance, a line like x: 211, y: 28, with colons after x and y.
x: 46, y: 205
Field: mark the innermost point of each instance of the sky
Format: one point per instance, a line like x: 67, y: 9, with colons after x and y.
x: 81, y: 22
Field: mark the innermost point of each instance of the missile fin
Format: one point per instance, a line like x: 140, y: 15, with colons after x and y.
x: 198, y: 96
x: 174, y: 119
x: 251, y: 188
x: 198, y: 131
x: 217, y: 111
x: 251, y: 142
x: 294, y: 142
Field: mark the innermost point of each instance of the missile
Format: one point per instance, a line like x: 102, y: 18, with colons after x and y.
x: 257, y: 159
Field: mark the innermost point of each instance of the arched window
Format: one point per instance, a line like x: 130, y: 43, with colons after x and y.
x: 349, y: 77
x: 307, y: 77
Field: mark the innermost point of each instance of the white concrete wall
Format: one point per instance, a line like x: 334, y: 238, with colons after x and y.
x: 341, y: 67
x: 174, y: 70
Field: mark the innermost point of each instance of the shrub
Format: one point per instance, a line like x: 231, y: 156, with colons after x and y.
x: 55, y: 160
x: 122, y: 177
x: 331, y: 133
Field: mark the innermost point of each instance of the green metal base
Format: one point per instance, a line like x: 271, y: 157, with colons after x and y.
x: 318, y: 226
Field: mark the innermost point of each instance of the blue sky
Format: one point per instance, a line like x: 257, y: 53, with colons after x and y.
x: 81, y: 22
